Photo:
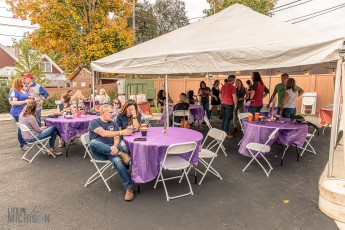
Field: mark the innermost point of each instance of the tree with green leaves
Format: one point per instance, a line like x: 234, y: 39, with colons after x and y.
x: 261, y: 6
x: 171, y: 15
x: 29, y: 62
x: 145, y: 22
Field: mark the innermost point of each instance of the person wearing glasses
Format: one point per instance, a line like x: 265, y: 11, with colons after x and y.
x: 18, y: 99
x: 129, y: 116
x: 117, y: 107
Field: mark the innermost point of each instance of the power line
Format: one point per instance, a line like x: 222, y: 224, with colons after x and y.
x: 287, y: 4
x: 11, y: 35
x: 274, y: 11
x: 321, y: 11
x: 19, y: 26
x: 318, y: 15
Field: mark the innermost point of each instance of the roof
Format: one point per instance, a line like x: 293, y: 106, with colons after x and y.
x: 236, y: 38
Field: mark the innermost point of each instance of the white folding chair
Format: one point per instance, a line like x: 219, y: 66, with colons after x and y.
x: 315, y: 123
x: 40, y: 144
x: 217, y: 137
x: 172, y: 161
x: 85, y: 139
x: 240, y: 116
x: 207, y: 121
x: 260, y: 149
x: 179, y: 113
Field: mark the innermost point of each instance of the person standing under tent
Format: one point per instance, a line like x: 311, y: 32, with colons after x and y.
x: 280, y: 89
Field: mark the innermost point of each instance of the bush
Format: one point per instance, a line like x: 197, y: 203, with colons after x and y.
x: 50, y: 103
x: 4, y: 103
x: 112, y: 95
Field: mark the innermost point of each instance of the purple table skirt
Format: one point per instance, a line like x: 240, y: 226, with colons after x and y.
x: 246, y: 107
x: 197, y: 111
x: 146, y: 155
x: 69, y: 128
x: 259, y: 133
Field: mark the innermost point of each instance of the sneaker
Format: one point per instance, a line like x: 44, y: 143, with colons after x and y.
x: 124, y: 157
x: 53, y: 151
x: 25, y: 147
x: 129, y: 194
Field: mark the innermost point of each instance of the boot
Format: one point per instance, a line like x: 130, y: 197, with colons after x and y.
x: 124, y: 157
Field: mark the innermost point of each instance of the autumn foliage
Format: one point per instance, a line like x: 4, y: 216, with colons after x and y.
x: 80, y: 30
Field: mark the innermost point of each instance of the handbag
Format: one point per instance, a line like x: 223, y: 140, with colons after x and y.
x: 184, y: 124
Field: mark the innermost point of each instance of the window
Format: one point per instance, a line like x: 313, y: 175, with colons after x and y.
x: 75, y: 84
x: 46, y: 67
x: 83, y: 84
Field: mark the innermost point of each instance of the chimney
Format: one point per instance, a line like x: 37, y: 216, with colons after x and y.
x: 16, y: 51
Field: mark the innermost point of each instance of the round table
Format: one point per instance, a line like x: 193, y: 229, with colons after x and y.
x: 69, y: 128
x: 197, y: 111
x: 258, y: 132
x: 146, y: 155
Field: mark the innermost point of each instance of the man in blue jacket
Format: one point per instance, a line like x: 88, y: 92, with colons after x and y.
x: 37, y: 91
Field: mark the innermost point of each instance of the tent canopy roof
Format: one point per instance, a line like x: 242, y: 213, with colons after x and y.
x: 234, y: 39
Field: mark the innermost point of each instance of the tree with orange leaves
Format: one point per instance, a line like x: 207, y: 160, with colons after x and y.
x: 79, y: 30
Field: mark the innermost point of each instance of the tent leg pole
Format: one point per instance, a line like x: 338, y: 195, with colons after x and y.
x: 93, y: 89
x: 166, y: 116
x: 336, y: 108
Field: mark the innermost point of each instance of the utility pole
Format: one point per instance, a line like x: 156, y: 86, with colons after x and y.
x: 134, y: 19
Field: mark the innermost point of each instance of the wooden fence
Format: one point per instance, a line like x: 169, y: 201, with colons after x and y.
x: 322, y: 84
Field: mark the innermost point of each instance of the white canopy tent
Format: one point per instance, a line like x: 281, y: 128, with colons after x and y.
x: 234, y: 39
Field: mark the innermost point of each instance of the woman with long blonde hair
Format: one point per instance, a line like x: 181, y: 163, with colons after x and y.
x: 129, y: 115
x: 28, y: 118
x: 103, y: 97
x: 18, y: 98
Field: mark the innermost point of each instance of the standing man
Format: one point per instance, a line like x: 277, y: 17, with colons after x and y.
x: 37, y: 91
x: 105, y: 145
x: 229, y: 103
x: 280, y: 89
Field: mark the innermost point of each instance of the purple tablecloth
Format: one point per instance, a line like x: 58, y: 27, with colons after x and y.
x: 259, y: 133
x: 146, y: 155
x: 197, y: 111
x: 246, y: 107
x: 69, y: 128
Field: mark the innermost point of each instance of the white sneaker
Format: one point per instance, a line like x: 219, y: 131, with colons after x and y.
x: 25, y: 148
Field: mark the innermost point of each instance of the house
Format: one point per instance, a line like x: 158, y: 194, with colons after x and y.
x: 9, y: 56
x: 81, y: 78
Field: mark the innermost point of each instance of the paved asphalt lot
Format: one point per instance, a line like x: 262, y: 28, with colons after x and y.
x: 54, y: 188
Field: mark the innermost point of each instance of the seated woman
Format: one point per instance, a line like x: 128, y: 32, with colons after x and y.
x: 192, y: 99
x: 28, y: 118
x: 117, y: 107
x: 77, y: 100
x: 129, y: 115
x: 65, y: 105
x: 181, y: 105
x: 103, y: 97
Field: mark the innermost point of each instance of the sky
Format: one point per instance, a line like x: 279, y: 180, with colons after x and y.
x: 332, y: 24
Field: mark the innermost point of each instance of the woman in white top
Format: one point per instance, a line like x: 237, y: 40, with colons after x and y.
x: 103, y: 97
x: 289, y: 100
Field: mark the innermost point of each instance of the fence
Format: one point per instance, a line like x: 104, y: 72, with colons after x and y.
x: 57, y: 92
x: 322, y: 84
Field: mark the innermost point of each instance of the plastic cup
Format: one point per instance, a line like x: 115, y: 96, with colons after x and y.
x: 250, y: 117
x: 144, y: 132
x: 143, y: 126
x: 257, y: 116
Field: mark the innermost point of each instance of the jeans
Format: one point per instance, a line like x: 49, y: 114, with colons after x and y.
x: 20, y: 137
x: 289, y: 112
x: 51, y: 132
x: 101, y: 151
x: 254, y: 109
x: 38, y: 117
x: 206, y: 106
x: 227, y: 113
x: 239, y: 109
